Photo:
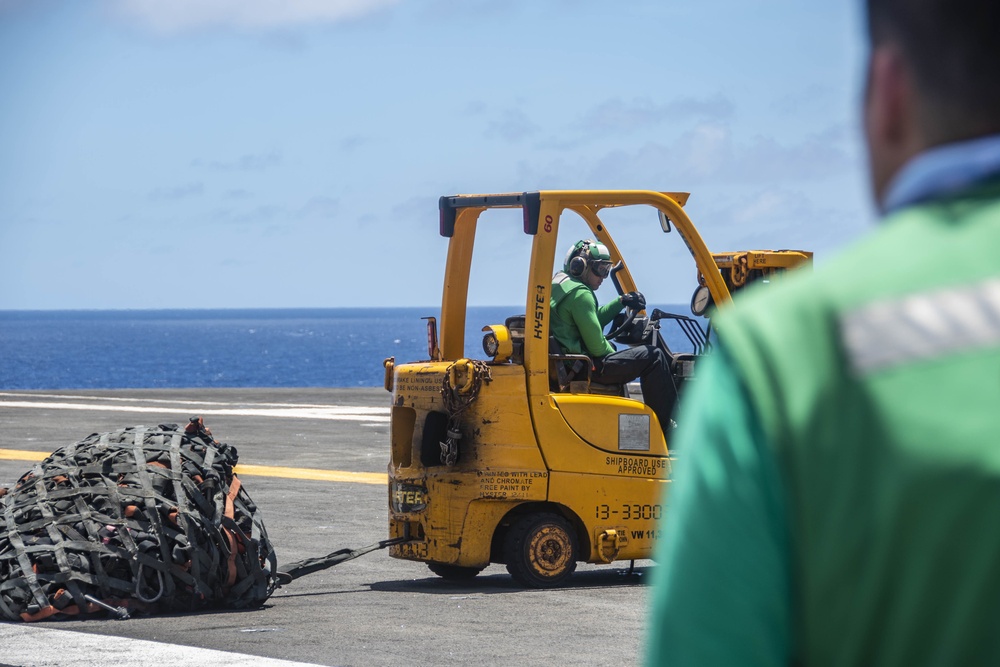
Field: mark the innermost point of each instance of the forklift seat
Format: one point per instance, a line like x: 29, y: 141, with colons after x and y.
x: 574, y: 377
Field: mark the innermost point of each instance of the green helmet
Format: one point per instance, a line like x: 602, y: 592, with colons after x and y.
x: 585, y: 254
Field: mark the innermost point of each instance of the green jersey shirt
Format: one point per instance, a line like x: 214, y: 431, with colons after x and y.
x: 577, y: 320
x: 837, y: 501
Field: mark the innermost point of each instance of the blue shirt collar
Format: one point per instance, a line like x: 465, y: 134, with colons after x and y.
x: 943, y: 171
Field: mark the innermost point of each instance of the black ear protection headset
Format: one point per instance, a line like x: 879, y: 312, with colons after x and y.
x: 577, y: 265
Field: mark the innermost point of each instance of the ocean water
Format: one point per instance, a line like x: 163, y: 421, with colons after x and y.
x: 340, y: 347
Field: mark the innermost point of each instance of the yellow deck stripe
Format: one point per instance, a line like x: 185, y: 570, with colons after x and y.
x: 21, y: 455
x: 315, y: 474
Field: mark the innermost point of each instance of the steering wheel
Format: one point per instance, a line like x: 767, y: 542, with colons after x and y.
x: 631, y: 312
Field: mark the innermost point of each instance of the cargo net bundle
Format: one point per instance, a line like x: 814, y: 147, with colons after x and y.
x: 144, y: 519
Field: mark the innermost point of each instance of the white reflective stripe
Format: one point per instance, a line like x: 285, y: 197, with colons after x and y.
x: 923, y: 326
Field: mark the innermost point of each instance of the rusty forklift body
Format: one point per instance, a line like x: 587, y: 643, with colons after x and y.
x: 496, y: 459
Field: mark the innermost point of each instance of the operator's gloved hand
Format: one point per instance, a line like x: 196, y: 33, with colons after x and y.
x: 634, y: 300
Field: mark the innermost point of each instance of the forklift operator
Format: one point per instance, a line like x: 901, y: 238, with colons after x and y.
x: 578, y: 325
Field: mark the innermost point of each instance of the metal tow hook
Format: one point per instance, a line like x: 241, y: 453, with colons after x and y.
x: 610, y: 539
x: 121, y: 613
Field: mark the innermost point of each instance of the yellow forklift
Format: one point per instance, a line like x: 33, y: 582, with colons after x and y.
x: 510, y: 459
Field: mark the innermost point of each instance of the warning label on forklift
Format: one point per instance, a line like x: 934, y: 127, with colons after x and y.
x: 505, y: 484
x: 639, y: 466
x: 418, y: 383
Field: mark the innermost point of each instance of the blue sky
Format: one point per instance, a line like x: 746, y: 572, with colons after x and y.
x: 247, y: 153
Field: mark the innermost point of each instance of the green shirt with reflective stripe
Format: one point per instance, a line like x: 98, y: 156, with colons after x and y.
x: 837, y: 497
x: 721, y: 593
x: 577, y: 321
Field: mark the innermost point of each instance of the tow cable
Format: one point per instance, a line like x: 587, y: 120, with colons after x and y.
x: 292, y: 571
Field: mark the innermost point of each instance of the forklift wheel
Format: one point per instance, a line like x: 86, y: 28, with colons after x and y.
x: 540, y: 550
x: 454, y: 572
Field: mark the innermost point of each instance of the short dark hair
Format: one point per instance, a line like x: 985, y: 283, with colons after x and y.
x: 953, y: 47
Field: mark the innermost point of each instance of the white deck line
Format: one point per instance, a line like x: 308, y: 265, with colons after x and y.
x: 329, y: 412
x: 35, y: 646
x: 140, y: 399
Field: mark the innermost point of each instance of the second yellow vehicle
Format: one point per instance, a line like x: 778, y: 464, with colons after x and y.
x: 511, y: 458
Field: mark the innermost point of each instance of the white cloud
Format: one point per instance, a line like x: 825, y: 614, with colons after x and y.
x: 711, y: 153
x: 780, y: 217
x: 177, y: 192
x: 324, y: 208
x: 274, y: 216
x: 617, y: 118
x: 513, y: 125
x: 704, y: 150
x: 179, y: 15
x: 764, y: 206
x: 248, y: 162
x: 814, y: 157
x: 414, y: 208
x: 616, y: 115
x: 353, y: 142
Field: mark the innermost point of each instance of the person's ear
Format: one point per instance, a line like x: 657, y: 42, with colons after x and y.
x: 891, y: 127
x: 890, y: 94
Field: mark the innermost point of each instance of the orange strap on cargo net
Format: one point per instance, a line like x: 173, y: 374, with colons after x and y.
x: 230, y: 512
x: 52, y: 610
x: 41, y: 614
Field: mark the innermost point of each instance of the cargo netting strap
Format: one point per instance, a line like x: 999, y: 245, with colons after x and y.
x: 141, y: 518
